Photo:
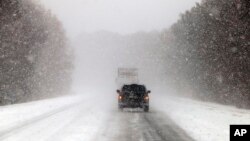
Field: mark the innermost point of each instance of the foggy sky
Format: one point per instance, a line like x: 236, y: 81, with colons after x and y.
x: 97, y: 58
x: 121, y: 16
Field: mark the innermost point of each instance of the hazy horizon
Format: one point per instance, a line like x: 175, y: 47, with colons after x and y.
x: 98, y: 54
x: 123, y: 16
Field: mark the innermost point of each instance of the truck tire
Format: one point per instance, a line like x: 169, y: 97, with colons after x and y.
x: 120, y: 108
x: 146, y: 108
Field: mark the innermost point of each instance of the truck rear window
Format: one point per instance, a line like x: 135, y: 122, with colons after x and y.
x: 134, y: 87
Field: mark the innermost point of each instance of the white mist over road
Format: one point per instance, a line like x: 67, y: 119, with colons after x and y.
x: 107, y: 34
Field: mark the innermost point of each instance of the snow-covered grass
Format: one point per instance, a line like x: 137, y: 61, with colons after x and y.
x: 202, y: 121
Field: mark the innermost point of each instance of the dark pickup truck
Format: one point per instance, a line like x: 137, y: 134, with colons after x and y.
x: 133, y: 96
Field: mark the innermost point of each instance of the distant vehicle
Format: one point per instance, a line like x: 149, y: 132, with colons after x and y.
x: 133, y: 96
x: 127, y: 76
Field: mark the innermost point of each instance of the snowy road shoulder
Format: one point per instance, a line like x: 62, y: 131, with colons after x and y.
x: 18, y: 115
x: 66, y: 118
x: 202, y: 121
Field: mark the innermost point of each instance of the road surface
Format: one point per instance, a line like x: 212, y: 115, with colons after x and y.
x: 90, y: 121
x: 135, y: 125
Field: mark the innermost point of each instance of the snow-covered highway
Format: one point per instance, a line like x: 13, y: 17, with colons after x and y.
x: 83, y: 118
x: 95, y: 118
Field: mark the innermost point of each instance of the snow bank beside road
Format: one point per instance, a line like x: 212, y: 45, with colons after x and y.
x: 202, y: 121
x: 70, y: 118
x: 14, y: 115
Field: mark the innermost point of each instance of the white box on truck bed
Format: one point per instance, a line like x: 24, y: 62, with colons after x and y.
x: 127, y: 76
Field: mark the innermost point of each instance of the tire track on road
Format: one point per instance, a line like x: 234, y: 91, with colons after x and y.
x: 135, y: 125
x: 163, y: 127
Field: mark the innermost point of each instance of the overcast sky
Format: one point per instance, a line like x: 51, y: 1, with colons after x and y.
x: 122, y: 16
